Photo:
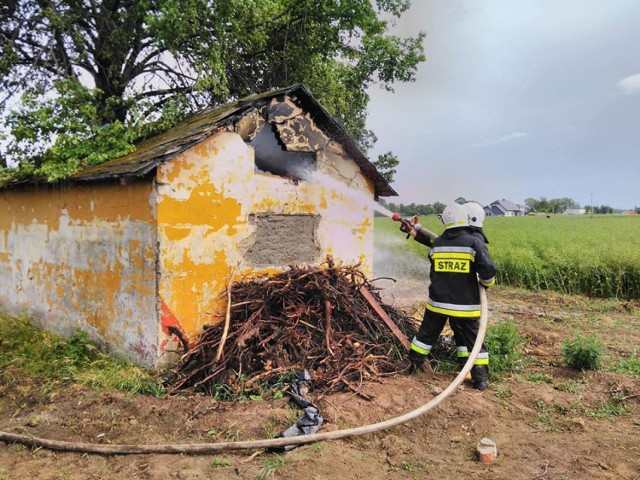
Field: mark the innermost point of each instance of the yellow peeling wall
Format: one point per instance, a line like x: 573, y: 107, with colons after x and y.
x: 83, y: 256
x: 204, y: 199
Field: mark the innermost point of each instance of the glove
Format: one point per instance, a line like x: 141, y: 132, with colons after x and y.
x: 406, y: 227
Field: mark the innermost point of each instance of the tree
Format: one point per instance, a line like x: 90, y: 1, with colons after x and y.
x: 412, y: 208
x: 138, y: 66
x: 554, y: 205
x: 386, y: 164
x: 604, y: 209
x: 531, y: 204
x: 438, y: 207
x: 568, y: 203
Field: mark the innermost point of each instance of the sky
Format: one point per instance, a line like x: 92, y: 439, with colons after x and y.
x: 517, y: 99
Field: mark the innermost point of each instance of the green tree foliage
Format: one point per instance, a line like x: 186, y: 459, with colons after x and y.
x: 602, y: 209
x: 386, y: 165
x: 413, y: 208
x: 114, y: 71
x: 554, y: 205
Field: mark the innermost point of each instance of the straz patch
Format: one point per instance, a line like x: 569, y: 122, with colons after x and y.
x: 452, y: 266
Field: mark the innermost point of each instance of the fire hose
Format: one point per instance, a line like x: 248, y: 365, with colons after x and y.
x: 200, y: 448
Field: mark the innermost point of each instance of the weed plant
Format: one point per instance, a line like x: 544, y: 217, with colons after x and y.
x: 583, y: 353
x: 505, y: 344
x: 51, y: 359
x: 539, y: 378
x: 220, y: 463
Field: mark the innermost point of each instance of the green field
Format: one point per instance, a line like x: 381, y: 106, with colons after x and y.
x: 596, y: 255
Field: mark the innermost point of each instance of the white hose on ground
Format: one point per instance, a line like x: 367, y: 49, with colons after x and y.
x: 192, y: 448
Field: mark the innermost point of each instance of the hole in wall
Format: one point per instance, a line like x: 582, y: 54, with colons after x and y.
x: 272, y: 157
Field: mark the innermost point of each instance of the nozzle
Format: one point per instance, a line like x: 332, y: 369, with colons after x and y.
x: 396, y: 217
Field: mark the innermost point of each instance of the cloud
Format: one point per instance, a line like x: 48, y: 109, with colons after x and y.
x: 630, y: 84
x: 506, y: 138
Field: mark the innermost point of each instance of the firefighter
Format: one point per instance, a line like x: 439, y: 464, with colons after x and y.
x: 459, y: 259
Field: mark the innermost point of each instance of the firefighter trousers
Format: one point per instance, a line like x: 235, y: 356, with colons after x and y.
x: 465, y: 332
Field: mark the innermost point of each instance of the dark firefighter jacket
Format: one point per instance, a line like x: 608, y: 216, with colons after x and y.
x: 423, y: 238
x: 459, y: 259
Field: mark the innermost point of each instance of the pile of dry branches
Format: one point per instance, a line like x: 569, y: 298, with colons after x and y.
x: 306, y: 317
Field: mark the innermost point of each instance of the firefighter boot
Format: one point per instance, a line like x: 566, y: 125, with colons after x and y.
x: 462, y: 361
x: 480, y: 376
x: 416, y: 361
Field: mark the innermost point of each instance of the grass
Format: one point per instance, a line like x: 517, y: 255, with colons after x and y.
x: 318, y: 447
x: 628, y: 366
x: 51, y: 359
x: 542, y: 253
x: 570, y: 386
x: 270, y: 466
x: 220, y: 463
x: 608, y: 409
x: 261, y: 391
x: 539, y: 378
x: 503, y: 392
x: 538, y: 253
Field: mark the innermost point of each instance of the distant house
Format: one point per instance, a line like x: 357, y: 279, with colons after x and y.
x: 575, y: 211
x: 503, y: 208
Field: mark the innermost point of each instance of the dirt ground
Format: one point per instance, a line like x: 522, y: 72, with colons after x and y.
x: 548, y: 421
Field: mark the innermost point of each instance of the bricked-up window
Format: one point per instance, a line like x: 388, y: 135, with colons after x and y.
x: 272, y: 157
x: 282, y: 240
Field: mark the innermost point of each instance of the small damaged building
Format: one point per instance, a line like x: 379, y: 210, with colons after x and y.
x: 138, y: 251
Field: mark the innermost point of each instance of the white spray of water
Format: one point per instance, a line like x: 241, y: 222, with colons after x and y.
x: 392, y: 257
x: 343, y: 189
x: 387, y: 262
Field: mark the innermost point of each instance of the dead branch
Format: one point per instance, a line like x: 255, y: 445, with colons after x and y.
x: 227, y: 318
x: 312, y: 317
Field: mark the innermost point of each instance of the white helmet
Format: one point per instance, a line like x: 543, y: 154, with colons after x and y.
x: 454, y: 215
x: 475, y: 213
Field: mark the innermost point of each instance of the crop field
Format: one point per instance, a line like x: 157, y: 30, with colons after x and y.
x: 598, y: 255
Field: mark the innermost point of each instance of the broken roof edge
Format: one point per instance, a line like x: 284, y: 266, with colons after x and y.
x: 166, y: 145
x: 382, y: 187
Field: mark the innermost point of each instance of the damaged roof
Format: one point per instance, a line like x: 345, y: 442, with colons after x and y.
x: 198, y: 127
